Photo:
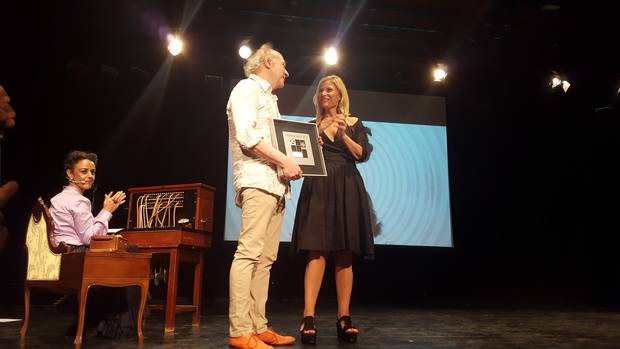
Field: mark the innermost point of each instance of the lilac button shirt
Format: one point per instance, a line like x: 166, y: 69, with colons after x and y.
x: 73, y: 220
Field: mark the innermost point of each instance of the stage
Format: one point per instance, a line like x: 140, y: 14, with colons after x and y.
x: 438, y: 325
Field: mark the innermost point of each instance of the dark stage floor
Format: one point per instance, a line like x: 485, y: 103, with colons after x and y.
x: 381, y: 326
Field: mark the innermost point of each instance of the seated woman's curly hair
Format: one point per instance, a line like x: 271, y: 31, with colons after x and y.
x: 76, y: 156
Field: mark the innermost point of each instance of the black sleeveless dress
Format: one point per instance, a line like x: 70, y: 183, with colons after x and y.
x: 333, y: 212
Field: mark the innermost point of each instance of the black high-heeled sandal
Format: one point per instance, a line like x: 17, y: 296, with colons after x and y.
x: 307, y: 324
x: 343, y: 325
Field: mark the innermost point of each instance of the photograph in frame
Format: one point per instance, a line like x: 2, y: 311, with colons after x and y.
x: 300, y: 141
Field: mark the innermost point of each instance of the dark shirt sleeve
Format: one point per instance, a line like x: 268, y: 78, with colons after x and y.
x: 360, y: 136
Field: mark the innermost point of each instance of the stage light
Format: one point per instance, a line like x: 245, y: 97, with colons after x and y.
x: 175, y: 45
x: 565, y: 85
x: 440, y: 73
x: 557, y: 80
x: 245, y: 51
x: 331, y: 56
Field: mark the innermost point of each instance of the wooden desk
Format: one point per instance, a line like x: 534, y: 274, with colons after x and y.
x: 112, y: 269
x: 183, y: 246
x: 80, y: 271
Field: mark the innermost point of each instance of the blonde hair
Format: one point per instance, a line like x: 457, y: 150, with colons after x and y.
x: 257, y: 58
x: 343, y: 105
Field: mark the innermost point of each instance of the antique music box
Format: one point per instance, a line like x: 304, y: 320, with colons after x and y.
x: 171, y: 206
x: 108, y: 243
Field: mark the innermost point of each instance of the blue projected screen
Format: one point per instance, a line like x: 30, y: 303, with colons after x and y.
x: 406, y: 178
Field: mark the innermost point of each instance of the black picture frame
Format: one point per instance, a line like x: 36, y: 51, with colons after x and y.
x: 300, y: 140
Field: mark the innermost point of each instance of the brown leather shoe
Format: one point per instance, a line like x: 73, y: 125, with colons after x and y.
x: 272, y: 338
x: 247, y: 342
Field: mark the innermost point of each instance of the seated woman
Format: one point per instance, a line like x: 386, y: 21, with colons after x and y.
x: 74, y: 223
x: 113, y: 310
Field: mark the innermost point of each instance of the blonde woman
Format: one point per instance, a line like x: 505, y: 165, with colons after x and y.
x: 333, y: 212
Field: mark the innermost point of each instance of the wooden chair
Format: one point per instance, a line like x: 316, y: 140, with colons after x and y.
x: 51, y: 266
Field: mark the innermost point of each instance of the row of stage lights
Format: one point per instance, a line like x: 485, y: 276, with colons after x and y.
x: 330, y: 58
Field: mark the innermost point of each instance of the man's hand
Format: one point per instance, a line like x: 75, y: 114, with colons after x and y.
x: 7, y: 120
x: 291, y: 170
x: 7, y: 114
x: 7, y: 191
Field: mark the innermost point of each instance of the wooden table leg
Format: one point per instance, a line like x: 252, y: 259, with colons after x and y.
x: 171, y: 296
x: 144, y: 289
x: 24, y: 329
x: 197, y: 296
x: 81, y: 314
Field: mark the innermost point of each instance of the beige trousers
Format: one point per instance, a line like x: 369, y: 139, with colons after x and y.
x: 257, y: 250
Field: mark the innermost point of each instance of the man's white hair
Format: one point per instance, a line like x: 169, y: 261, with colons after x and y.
x: 256, y: 60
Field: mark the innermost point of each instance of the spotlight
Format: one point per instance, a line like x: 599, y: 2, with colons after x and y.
x: 175, y: 45
x: 245, y: 51
x: 331, y: 56
x: 557, y: 80
x: 440, y: 72
x: 565, y: 85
